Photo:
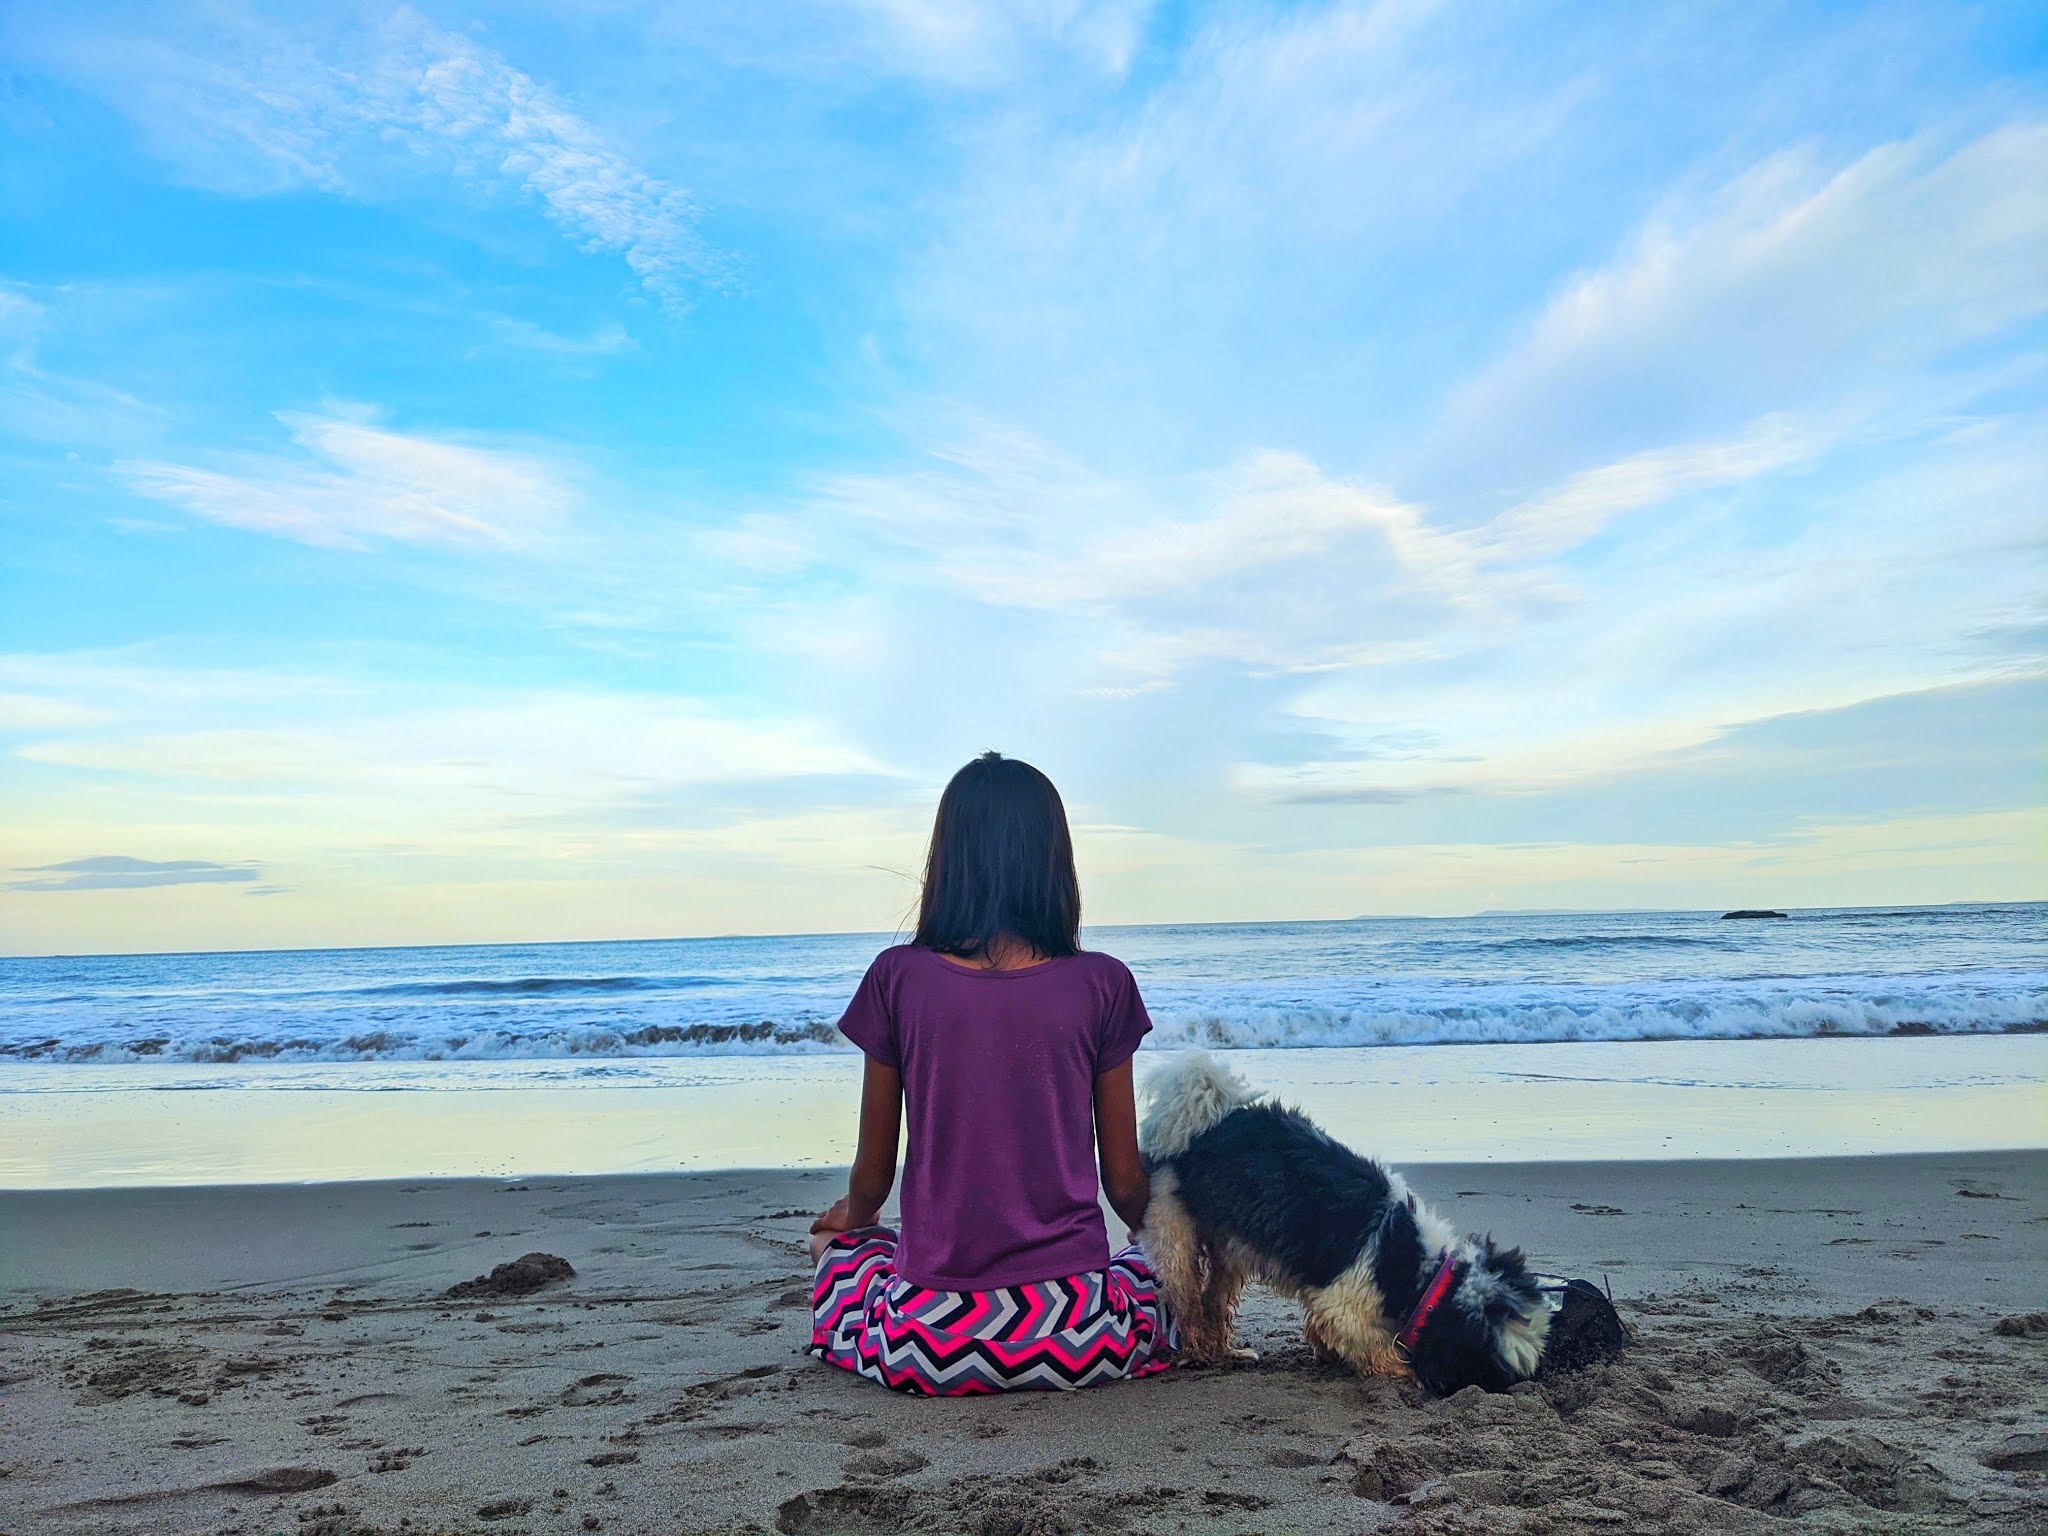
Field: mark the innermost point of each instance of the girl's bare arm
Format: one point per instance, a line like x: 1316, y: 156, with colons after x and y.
x: 1124, y: 1178
x: 874, y: 1158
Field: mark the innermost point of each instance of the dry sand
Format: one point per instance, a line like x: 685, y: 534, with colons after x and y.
x: 1823, y: 1345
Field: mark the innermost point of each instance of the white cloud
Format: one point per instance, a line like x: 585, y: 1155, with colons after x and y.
x: 976, y: 42
x: 377, y: 486
x: 1563, y: 518
x: 1273, y: 564
x: 443, y: 94
x: 329, y: 755
x: 1748, y: 466
x: 555, y: 748
x: 1791, y: 287
x: 256, y: 108
x: 53, y: 407
x: 1620, y: 622
x: 401, y: 811
x: 24, y: 712
x: 602, y: 341
x: 1161, y: 272
x: 1691, y: 624
x: 130, y: 681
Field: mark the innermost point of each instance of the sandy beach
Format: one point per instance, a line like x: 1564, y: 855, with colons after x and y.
x: 1824, y: 1344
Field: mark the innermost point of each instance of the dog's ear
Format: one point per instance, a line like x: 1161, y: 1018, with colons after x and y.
x: 1507, y: 1265
x: 1492, y: 1255
x: 1506, y: 1261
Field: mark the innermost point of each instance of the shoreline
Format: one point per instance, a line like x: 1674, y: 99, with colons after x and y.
x: 1818, y: 1348
x: 97, y: 1126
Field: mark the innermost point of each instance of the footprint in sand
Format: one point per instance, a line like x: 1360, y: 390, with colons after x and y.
x: 2020, y: 1453
x: 1223, y: 1498
x: 593, y: 1391
x: 280, y: 1480
x: 844, y: 1509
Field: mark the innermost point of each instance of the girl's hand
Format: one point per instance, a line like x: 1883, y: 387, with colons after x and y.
x: 835, y: 1218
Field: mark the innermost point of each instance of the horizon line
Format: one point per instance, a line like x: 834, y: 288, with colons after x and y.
x: 856, y: 933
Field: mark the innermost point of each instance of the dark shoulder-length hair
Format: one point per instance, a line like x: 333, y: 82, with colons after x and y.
x: 1001, y: 864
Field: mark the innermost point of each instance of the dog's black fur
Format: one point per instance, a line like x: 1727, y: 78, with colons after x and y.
x: 1268, y: 1177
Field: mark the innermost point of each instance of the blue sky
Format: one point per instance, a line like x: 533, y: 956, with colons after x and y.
x: 533, y: 471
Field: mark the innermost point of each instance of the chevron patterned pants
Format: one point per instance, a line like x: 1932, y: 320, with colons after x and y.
x: 1051, y: 1335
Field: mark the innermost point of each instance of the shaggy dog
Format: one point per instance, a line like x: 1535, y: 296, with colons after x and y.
x: 1243, y: 1189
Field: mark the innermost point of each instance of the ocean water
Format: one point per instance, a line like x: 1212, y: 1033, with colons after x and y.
x: 1630, y: 1035
x: 1508, y: 979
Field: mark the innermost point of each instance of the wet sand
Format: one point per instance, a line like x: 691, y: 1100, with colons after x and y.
x: 1824, y: 1344
x: 86, y: 1127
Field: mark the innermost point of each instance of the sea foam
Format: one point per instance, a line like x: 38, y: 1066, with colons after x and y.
x: 1632, y: 976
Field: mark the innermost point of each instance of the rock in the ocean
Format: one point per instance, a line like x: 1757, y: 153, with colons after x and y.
x: 1748, y: 912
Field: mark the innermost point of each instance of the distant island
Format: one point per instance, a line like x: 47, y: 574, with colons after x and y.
x: 1748, y: 912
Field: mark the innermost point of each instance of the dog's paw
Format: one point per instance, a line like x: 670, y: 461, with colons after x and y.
x: 1239, y: 1355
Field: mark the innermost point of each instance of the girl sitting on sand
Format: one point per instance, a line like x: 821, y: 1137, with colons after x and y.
x: 1010, y: 1048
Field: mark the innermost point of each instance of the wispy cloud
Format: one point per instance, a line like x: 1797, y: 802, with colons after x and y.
x: 369, y: 484
x: 1795, y: 285
x: 602, y: 341
x: 1682, y: 628
x: 1273, y: 563
x: 393, y: 752
x: 969, y: 43
x: 1158, y: 273
x: 258, y: 107
x: 22, y: 712
x: 1585, y: 504
x: 37, y: 403
x: 118, y: 872
x: 443, y: 94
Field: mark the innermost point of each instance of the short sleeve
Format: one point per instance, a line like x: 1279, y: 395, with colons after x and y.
x: 867, y: 1021
x: 1125, y: 1024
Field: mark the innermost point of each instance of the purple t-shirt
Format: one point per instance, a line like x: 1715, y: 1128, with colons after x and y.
x: 999, y: 1069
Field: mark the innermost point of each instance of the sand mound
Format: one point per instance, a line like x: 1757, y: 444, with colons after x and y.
x: 528, y: 1272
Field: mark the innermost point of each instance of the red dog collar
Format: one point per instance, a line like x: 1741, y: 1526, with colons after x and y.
x: 1432, y: 1297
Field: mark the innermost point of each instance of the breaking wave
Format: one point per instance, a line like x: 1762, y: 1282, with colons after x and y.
x: 1399, y: 981
x: 1387, y: 1014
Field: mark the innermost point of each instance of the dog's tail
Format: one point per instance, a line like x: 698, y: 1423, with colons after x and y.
x: 1183, y: 1099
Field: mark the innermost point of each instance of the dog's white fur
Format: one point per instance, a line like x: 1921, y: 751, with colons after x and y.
x: 1184, y: 1098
